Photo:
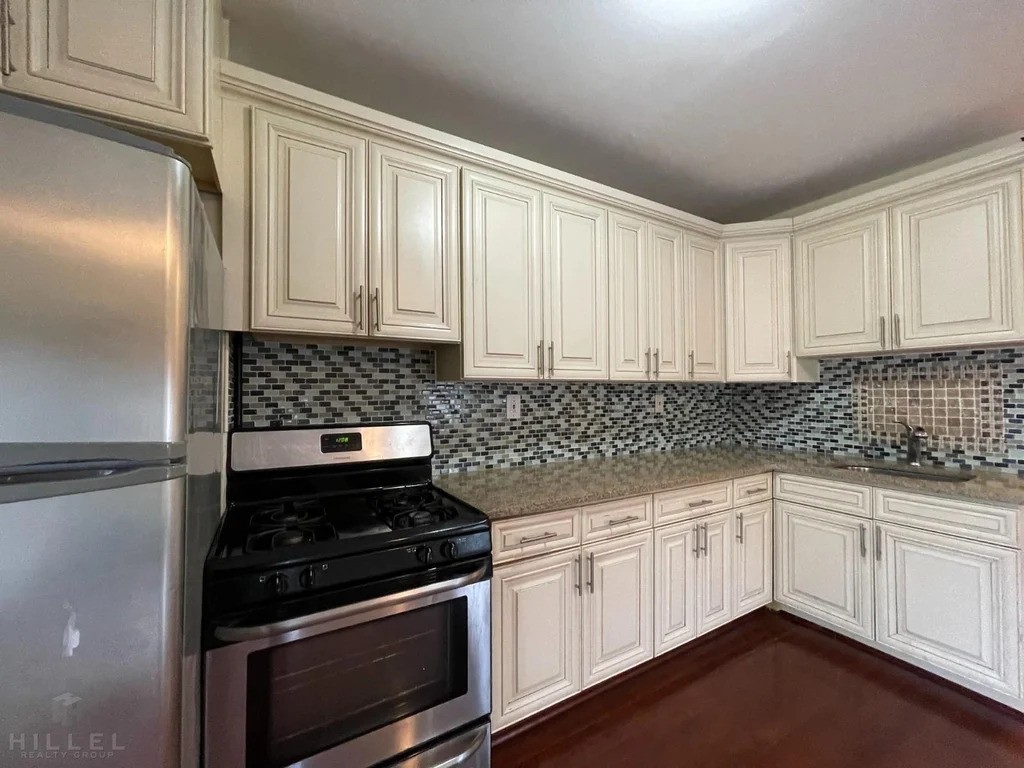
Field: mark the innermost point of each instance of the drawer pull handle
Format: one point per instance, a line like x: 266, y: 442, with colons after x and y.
x: 629, y: 519
x: 701, y: 503
x: 752, y: 491
x: 543, y: 537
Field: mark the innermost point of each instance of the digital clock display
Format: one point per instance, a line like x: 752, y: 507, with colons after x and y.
x: 340, y: 442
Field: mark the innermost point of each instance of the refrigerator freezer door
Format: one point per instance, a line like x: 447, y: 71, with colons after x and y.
x: 94, y: 242
x: 90, y: 617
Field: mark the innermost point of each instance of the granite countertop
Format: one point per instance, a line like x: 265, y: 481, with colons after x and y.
x: 520, y: 491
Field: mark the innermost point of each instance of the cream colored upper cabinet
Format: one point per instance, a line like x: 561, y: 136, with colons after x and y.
x: 757, y: 310
x: 142, y: 62
x: 629, y: 279
x: 414, y: 248
x: 309, y: 233
x: 704, y: 312
x: 957, y: 273
x: 502, y: 274
x: 666, y: 302
x: 576, y: 276
x: 841, y: 287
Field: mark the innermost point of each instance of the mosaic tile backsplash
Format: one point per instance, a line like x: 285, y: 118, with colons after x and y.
x: 285, y: 383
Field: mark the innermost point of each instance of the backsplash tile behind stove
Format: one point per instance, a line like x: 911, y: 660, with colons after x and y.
x: 287, y: 383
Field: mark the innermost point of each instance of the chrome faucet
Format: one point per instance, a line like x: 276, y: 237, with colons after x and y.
x: 914, y: 437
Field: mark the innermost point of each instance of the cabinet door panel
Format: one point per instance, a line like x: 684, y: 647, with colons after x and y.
x: 414, y: 245
x: 576, y: 268
x: 704, y: 296
x: 957, y: 265
x: 675, y: 586
x: 501, y: 278
x: 309, y: 237
x: 822, y: 566
x: 841, y: 279
x: 536, y: 635
x: 629, y: 278
x: 714, y: 566
x: 617, y: 601
x: 753, y: 562
x: 142, y: 62
x: 757, y: 310
x: 667, y: 320
x: 951, y: 603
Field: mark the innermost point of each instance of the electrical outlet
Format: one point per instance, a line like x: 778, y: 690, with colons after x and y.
x: 659, y: 403
x: 513, y: 406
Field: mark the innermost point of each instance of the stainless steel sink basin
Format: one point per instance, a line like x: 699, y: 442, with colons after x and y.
x: 918, y: 473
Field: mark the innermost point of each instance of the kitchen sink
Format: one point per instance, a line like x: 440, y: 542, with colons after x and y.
x: 918, y: 473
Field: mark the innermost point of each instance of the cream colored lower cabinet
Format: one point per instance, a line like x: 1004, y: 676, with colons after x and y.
x: 675, y: 585
x: 822, y: 566
x: 617, y: 594
x: 752, y: 575
x: 536, y: 635
x: 714, y: 572
x: 950, y: 603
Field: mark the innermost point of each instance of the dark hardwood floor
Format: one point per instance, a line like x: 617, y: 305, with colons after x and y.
x: 773, y: 692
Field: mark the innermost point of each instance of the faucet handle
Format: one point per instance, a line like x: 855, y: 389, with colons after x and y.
x: 911, y: 431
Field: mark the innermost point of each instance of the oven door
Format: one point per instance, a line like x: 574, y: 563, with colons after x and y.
x: 352, y: 686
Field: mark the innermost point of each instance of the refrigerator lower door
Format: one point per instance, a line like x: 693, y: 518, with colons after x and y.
x: 90, y: 624
x: 95, y: 238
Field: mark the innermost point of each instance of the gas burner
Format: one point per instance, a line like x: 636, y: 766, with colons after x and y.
x: 412, y: 508
x: 289, y: 514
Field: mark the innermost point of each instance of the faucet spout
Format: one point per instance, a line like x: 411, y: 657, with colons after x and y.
x: 914, y: 437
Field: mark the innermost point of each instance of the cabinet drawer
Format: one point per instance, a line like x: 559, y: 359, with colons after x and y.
x: 983, y: 522
x: 526, y: 536
x: 750, y: 490
x: 824, y: 494
x: 614, y: 518
x: 673, y: 506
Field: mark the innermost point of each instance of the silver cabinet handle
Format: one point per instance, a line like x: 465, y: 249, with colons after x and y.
x: 376, y: 305
x: 591, y: 582
x: 789, y: 363
x: 739, y: 527
x: 543, y: 537
x: 704, y: 546
x: 578, y: 562
x: 752, y: 491
x: 696, y: 540
x: 878, y: 543
x: 6, y: 22
x: 657, y: 363
x: 701, y: 503
x: 648, y: 368
x: 863, y: 540
x: 551, y: 359
x: 691, y: 363
x: 621, y: 520
x: 896, y: 330
x: 540, y: 359
x: 359, y: 308
x: 881, y: 325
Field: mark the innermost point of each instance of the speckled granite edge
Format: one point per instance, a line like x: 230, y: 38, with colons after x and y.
x: 508, y: 493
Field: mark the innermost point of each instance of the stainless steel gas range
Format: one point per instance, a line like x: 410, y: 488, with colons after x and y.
x: 347, y: 613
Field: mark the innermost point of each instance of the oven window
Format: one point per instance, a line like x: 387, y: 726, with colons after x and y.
x: 310, y: 695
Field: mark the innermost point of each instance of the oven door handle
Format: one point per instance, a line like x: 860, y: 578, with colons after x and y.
x: 263, y: 631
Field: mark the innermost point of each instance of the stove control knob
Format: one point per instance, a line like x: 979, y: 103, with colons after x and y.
x: 449, y: 550
x: 424, y: 553
x: 308, y: 578
x: 277, y: 584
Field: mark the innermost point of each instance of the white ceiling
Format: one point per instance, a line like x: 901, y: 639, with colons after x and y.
x: 730, y: 109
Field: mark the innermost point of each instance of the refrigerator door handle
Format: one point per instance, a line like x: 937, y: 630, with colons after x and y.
x: 45, y: 481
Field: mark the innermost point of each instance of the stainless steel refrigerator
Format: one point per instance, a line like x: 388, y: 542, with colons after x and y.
x: 111, y: 443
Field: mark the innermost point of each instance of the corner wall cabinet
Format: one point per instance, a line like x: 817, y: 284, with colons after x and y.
x: 942, y: 269
x: 143, y: 63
